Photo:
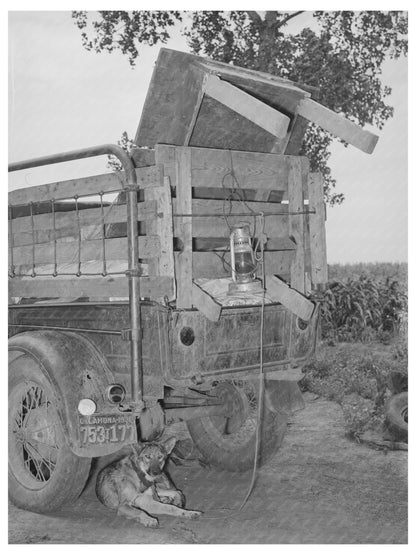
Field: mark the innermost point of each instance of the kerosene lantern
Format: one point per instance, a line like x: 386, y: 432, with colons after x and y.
x: 243, y: 262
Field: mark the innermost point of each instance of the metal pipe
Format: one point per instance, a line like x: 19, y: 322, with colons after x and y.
x: 133, y: 247
x: 79, y: 154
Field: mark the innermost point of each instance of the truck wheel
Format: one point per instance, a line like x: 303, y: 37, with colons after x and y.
x: 229, y: 442
x: 397, y: 416
x: 43, y: 472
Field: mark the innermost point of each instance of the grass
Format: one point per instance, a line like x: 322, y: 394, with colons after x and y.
x: 358, y: 377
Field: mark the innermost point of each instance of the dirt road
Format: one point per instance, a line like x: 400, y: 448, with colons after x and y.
x: 319, y: 488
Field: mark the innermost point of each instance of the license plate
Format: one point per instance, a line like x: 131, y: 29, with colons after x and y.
x: 107, y: 428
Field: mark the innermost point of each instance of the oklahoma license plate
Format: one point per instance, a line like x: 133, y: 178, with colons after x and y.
x: 107, y: 428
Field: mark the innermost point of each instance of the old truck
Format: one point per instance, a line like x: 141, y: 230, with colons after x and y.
x: 171, y: 290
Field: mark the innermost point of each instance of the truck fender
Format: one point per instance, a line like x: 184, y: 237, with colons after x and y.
x: 73, y: 366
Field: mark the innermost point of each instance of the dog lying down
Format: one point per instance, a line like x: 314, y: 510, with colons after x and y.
x: 137, y: 487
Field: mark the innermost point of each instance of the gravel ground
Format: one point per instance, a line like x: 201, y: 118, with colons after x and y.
x: 320, y: 488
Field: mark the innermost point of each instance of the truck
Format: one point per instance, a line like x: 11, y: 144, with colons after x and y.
x: 184, y: 288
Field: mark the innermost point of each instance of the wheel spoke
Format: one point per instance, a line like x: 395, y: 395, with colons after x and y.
x: 35, y: 433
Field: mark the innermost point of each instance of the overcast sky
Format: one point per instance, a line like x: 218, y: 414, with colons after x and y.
x: 62, y: 97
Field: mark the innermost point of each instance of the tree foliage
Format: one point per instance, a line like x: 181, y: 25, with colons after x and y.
x: 340, y: 52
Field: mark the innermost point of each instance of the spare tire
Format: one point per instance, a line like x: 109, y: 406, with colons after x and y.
x: 397, y: 416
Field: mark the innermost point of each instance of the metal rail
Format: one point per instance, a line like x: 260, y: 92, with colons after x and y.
x: 132, y: 245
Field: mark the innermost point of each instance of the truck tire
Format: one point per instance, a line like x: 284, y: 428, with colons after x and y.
x: 44, y: 474
x: 397, y: 416
x: 229, y: 443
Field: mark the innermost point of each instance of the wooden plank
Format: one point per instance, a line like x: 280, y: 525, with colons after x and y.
x: 146, y: 177
x: 210, y: 264
x: 205, y: 303
x: 280, y: 292
x: 162, y: 226
x: 183, y: 262
x: 266, y: 117
x: 214, y: 168
x: 337, y: 125
x: 115, y: 249
x: 217, y: 225
x: 319, y: 269
x: 154, y: 287
x: 114, y: 213
x: 297, y: 270
x: 90, y: 216
x: 216, y: 243
x: 65, y: 234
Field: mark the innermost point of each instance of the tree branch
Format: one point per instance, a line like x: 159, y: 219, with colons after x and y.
x: 255, y: 18
x: 287, y: 18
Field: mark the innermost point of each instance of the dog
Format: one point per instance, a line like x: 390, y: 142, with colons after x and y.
x: 137, y: 487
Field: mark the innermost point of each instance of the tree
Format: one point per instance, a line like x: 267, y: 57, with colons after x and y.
x: 341, y: 54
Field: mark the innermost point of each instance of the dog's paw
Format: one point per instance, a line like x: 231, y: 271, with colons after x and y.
x: 149, y: 521
x: 193, y: 514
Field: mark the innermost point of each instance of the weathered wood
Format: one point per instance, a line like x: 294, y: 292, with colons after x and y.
x: 183, y: 262
x: 173, y: 94
x: 233, y: 169
x: 216, y: 243
x: 319, y: 269
x: 198, y: 102
x: 155, y: 287
x: 205, y: 303
x: 90, y: 216
x: 210, y: 207
x: 146, y: 177
x: 270, y: 119
x: 162, y: 226
x: 337, y: 125
x: 115, y: 249
x: 210, y: 264
x: 217, y: 225
x: 90, y: 267
x: 280, y: 292
x: 295, y: 193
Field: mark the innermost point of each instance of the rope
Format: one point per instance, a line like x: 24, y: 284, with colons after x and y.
x: 260, y: 401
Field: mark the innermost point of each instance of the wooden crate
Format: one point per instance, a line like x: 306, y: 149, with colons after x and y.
x: 279, y: 186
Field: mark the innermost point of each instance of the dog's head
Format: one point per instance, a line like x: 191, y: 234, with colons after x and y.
x: 151, y: 457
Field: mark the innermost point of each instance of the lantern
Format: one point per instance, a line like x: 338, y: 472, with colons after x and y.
x: 243, y: 262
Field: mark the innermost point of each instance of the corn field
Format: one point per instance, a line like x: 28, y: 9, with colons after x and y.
x: 363, y: 309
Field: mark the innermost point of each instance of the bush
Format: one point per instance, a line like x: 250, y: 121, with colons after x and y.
x: 363, y: 309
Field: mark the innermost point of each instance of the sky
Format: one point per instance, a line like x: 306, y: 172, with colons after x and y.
x: 62, y: 97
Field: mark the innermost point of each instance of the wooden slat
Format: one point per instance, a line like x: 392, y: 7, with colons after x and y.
x: 280, y: 292
x: 337, y: 125
x: 90, y: 216
x: 319, y: 269
x: 209, y: 264
x: 183, y: 262
x: 115, y: 249
x: 297, y: 270
x: 146, y: 177
x: 248, y: 106
x: 217, y: 225
x: 213, y: 168
x: 101, y: 287
x: 162, y: 226
x: 211, y: 243
x: 205, y: 303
